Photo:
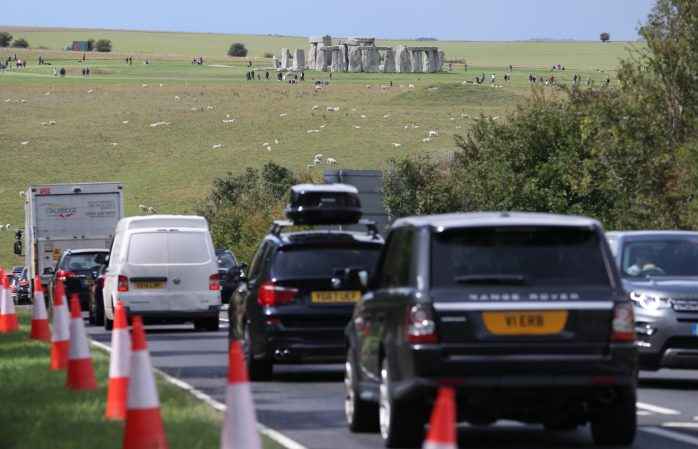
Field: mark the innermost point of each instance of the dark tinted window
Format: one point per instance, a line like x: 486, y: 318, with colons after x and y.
x: 78, y: 262
x: 395, y: 269
x: 540, y: 256
x: 660, y: 257
x: 321, y: 261
x: 257, y: 261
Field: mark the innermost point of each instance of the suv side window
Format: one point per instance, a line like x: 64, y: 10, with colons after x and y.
x: 260, y: 262
x: 395, y: 266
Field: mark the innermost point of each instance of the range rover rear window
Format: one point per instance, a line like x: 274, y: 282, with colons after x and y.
x: 518, y: 256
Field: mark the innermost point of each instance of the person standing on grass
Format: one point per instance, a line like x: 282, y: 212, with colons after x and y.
x: 55, y: 73
x: 493, y: 78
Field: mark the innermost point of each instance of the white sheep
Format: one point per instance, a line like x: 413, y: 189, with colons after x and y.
x: 356, y: 126
x: 464, y: 116
x: 411, y: 86
x: 265, y: 144
x: 283, y: 114
x: 319, y: 156
x: 143, y: 208
x: 397, y: 145
x: 336, y: 109
x: 209, y: 107
x: 152, y: 210
x: 269, y: 148
x: 426, y: 140
x: 363, y: 116
x: 89, y: 91
x: 125, y: 122
x: 176, y: 97
x: 24, y: 143
x: 433, y: 133
x: 317, y: 161
x: 322, y: 126
x: 331, y: 161
x: 231, y: 120
x: 315, y: 108
x: 310, y: 131
x: 387, y: 115
x: 384, y: 87
x: 276, y: 141
x: 218, y: 145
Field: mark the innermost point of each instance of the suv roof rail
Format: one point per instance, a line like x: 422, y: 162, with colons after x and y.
x: 278, y: 225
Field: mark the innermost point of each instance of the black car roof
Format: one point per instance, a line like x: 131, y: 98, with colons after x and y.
x: 300, y: 237
x: 479, y: 219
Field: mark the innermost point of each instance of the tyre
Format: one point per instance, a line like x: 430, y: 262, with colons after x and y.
x: 259, y: 370
x: 615, y: 424
x: 212, y: 324
x: 401, y: 424
x: 99, y: 312
x: 108, y: 324
x: 361, y: 416
x: 91, y: 311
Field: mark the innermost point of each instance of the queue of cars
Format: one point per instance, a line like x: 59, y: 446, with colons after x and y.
x: 533, y: 317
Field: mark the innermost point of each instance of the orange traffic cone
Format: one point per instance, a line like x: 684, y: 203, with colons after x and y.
x: 117, y: 393
x: 60, y: 337
x: 442, y: 425
x: 240, y: 423
x: 8, y: 317
x: 144, y: 429
x: 40, y: 330
x: 81, y: 373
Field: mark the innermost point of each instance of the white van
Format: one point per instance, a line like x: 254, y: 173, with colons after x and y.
x: 164, y: 268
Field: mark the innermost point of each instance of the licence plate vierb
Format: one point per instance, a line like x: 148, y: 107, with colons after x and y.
x: 525, y: 323
x: 335, y: 296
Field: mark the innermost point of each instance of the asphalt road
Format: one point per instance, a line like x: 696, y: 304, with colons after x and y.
x: 305, y: 402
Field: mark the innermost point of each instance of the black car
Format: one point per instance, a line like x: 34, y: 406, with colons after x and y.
x: 228, y: 273
x: 19, y: 286
x: 293, y: 305
x: 523, y: 314
x: 77, y: 269
x: 95, y: 306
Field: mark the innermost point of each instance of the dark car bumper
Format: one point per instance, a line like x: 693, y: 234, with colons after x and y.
x: 174, y: 317
x: 292, y: 345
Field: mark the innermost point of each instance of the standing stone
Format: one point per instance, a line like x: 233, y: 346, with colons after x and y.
x: 370, y: 59
x: 285, y: 55
x: 337, y: 62
x: 275, y: 62
x: 389, y: 61
x: 416, y: 61
x: 344, y: 54
x: 323, y: 59
x: 312, y: 55
x: 428, y: 61
x: 298, y: 59
x: 440, y: 56
x: 355, y: 59
x: 403, y: 62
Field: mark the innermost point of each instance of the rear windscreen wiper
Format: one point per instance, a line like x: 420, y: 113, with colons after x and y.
x: 497, y: 279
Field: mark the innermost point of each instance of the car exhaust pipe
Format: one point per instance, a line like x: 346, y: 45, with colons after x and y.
x: 282, y: 354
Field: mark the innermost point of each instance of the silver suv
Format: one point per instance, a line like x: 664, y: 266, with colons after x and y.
x: 660, y: 271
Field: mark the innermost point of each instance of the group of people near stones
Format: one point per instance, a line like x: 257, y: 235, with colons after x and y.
x: 280, y: 76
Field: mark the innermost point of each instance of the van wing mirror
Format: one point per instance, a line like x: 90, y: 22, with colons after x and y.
x: 101, y: 258
x: 48, y: 270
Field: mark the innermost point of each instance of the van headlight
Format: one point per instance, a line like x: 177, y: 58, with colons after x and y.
x: 650, y: 302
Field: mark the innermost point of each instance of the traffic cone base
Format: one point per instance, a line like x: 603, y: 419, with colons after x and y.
x: 8, y: 317
x: 239, y: 423
x: 116, y: 398
x: 40, y: 330
x: 59, y: 355
x: 442, y: 425
x: 144, y: 429
x: 81, y: 375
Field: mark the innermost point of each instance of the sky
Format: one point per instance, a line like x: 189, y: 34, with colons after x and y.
x: 469, y: 20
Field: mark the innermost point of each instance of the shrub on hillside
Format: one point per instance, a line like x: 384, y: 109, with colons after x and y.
x: 103, y: 45
x: 237, y: 49
x: 20, y: 43
x: 605, y: 37
x: 5, y: 39
x: 90, y: 44
x: 268, y: 54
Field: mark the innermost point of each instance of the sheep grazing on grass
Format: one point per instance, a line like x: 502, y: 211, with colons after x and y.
x: 152, y: 210
x: 387, y: 115
x: 322, y: 126
x: 356, y: 126
x: 411, y: 86
x: 218, y: 145
x: 89, y: 91
x: 363, y: 116
x: 315, y: 108
x: 283, y: 114
x: 384, y: 87
x: 265, y: 144
x: 276, y: 141
x: 209, y: 107
x: 464, y: 116
x: 433, y: 133
x: 143, y: 208
x: 269, y: 148
x: 311, y: 131
x: 124, y: 122
x: 24, y: 143
x: 319, y: 156
x: 426, y: 140
x: 230, y: 120
x: 397, y: 145
x: 176, y: 97
x: 331, y: 161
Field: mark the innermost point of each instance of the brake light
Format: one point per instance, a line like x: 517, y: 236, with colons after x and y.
x: 64, y: 274
x: 623, y: 328
x: 420, y: 326
x: 23, y: 282
x: 100, y: 282
x: 272, y: 295
x: 213, y: 282
x: 122, y: 284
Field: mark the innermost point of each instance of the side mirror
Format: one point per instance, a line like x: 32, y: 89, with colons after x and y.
x: 48, y: 270
x: 356, y: 278
x: 18, y: 247
x: 242, y: 276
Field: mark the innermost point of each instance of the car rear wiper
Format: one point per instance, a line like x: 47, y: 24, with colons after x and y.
x: 497, y: 279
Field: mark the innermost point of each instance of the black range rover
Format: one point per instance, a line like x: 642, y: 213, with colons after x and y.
x: 523, y: 314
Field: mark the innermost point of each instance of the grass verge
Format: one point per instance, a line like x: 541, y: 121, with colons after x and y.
x: 37, y: 411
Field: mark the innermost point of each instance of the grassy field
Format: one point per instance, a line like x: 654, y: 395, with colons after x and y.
x: 104, y: 124
x: 39, y: 412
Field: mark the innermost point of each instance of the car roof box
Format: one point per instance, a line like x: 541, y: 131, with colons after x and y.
x: 311, y: 204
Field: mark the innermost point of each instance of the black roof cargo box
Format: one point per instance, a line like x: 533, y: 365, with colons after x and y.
x: 311, y: 204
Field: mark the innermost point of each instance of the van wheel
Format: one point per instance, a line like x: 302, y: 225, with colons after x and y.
x: 615, y: 424
x: 108, y: 324
x: 212, y: 324
x: 401, y: 424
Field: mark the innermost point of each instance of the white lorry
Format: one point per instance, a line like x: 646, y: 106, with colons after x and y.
x: 68, y: 216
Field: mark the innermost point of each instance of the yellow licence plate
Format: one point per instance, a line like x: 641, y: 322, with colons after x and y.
x: 335, y: 296
x: 88, y: 282
x: 148, y: 285
x: 525, y: 323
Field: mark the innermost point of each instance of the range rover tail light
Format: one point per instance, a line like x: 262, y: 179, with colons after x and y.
x: 420, y: 326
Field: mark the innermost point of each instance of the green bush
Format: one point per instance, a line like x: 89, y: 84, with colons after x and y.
x: 20, y: 43
x: 90, y: 44
x: 5, y: 39
x: 103, y: 45
x: 268, y: 55
x: 237, y: 49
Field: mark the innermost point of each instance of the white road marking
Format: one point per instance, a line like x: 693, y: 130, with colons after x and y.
x: 676, y: 436
x: 685, y: 425
x: 657, y: 409
x: 280, y: 438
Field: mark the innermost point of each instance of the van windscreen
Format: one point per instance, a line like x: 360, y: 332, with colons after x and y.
x: 157, y: 248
